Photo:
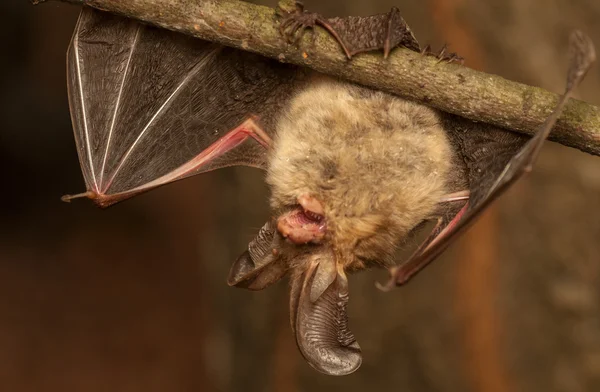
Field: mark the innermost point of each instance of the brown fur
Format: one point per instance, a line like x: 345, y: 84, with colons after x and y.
x: 377, y: 162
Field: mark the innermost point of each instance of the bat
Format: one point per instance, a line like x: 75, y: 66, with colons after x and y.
x: 352, y: 171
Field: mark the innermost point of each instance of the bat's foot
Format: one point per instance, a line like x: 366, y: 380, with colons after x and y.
x: 294, y: 23
x: 355, y: 34
x: 443, y: 55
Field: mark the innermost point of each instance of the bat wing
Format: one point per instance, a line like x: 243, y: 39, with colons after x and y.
x: 494, y: 159
x: 150, y: 106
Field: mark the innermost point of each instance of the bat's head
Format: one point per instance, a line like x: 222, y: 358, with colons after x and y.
x: 351, y: 172
x: 356, y: 170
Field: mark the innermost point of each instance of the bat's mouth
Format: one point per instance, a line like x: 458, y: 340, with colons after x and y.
x: 304, y: 223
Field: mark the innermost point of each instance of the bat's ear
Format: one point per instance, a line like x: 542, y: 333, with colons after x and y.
x: 261, y: 265
x: 318, y: 301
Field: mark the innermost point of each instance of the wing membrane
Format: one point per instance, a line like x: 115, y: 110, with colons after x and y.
x: 92, y: 103
x: 145, y: 101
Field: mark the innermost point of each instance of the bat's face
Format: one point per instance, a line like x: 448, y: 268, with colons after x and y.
x: 351, y: 171
x: 304, y: 222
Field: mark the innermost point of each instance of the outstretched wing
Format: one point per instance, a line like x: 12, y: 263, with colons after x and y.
x: 494, y: 159
x: 150, y: 106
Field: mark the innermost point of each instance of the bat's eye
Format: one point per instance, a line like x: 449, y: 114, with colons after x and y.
x: 302, y: 226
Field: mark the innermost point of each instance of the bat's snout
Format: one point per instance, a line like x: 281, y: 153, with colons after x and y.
x: 305, y: 223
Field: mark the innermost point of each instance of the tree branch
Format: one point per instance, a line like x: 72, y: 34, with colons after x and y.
x: 449, y: 87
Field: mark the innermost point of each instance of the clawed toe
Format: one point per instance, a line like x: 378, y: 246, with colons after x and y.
x: 294, y: 23
x: 443, y: 54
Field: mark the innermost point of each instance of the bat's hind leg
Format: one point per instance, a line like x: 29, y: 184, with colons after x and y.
x: 355, y: 34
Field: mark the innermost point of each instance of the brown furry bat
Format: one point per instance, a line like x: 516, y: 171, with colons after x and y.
x: 352, y: 171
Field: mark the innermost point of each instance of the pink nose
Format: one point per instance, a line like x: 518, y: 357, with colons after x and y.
x: 305, y: 223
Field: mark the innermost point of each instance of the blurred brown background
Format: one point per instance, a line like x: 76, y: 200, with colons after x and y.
x: 134, y: 298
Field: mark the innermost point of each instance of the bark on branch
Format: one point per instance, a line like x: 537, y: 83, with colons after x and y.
x: 449, y: 87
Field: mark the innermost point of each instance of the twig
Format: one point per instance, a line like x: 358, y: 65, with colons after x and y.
x: 449, y: 87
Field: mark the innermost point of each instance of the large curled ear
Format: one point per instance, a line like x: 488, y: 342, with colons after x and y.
x: 318, y: 301
x: 261, y: 265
